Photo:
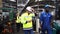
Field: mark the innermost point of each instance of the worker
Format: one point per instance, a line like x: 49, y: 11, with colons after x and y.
x: 18, y: 22
x: 26, y: 20
x: 45, y: 20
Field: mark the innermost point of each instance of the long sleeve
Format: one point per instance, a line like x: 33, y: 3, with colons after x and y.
x: 41, y: 17
x: 32, y: 15
x: 23, y: 20
x: 18, y: 19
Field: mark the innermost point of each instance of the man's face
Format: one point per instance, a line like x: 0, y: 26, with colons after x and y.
x: 47, y: 9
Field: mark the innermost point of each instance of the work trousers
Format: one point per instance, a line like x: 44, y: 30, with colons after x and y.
x: 28, y: 31
x: 48, y: 28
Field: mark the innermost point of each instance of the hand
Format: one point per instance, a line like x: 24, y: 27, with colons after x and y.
x: 40, y: 26
x: 17, y: 14
x: 28, y: 21
x: 51, y: 24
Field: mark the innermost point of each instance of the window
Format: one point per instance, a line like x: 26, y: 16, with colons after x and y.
x: 5, y: 13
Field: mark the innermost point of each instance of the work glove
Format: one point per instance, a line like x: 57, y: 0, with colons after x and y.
x: 28, y: 21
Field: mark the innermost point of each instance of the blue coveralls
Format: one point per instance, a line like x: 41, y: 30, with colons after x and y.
x: 46, y: 20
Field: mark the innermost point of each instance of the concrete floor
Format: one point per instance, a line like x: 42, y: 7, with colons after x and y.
x: 21, y: 32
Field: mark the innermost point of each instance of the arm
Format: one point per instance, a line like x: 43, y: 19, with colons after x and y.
x: 23, y: 20
x: 41, y: 20
x: 32, y: 15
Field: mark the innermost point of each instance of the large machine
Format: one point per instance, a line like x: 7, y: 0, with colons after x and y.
x: 9, y: 12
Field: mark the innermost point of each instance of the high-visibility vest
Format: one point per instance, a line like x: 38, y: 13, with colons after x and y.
x: 25, y: 17
x: 18, y: 19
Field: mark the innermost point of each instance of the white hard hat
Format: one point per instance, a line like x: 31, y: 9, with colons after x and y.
x: 29, y: 8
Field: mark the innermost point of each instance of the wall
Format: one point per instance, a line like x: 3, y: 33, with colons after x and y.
x: 0, y: 5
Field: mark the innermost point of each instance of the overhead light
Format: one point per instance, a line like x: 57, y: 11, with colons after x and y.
x: 12, y: 0
x: 38, y: 0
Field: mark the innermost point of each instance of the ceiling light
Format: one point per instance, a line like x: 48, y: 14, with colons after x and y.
x: 12, y: 0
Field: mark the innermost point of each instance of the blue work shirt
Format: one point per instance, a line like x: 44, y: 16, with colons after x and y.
x: 45, y: 18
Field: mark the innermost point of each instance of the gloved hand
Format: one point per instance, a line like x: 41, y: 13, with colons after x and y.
x: 28, y: 21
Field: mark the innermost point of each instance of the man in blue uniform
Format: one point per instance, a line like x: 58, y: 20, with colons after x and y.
x: 45, y: 19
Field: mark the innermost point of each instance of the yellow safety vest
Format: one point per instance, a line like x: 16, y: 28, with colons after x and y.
x: 25, y: 17
x: 18, y: 19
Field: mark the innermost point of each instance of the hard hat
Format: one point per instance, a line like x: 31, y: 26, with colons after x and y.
x: 29, y: 8
x: 47, y: 6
